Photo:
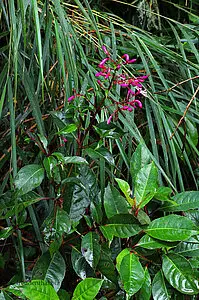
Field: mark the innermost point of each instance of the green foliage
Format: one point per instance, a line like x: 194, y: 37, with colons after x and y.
x: 98, y: 197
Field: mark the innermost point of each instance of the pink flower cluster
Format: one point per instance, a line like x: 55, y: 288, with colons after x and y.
x: 109, y: 75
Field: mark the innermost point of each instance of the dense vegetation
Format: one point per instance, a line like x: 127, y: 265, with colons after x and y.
x: 99, y: 149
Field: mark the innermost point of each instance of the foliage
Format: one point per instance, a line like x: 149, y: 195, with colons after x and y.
x: 99, y: 131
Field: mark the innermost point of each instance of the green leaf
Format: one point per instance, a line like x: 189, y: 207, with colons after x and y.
x: 122, y: 226
x: 183, y: 201
x: 91, y: 248
x: 146, y: 184
x: 67, y: 129
x: 145, y: 291
x: 69, y: 159
x: 148, y: 242
x: 131, y: 273
x: 36, y: 289
x: 188, y: 248
x: 163, y: 193
x: 106, y: 265
x: 51, y: 269
x: 160, y: 290
x: 179, y: 273
x: 80, y: 265
x: 114, y: 203
x: 63, y: 295
x: 125, y: 188
x: 6, y: 232
x: 87, y: 289
x: 120, y: 257
x: 171, y: 228
x: 140, y: 158
x: 28, y: 178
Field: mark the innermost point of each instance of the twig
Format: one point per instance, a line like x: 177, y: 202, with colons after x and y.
x: 177, y: 84
x: 185, y: 112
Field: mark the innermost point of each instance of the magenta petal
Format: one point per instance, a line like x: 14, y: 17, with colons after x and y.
x: 98, y: 74
x: 126, y: 56
x: 109, y: 119
x: 136, y: 103
x: 105, y: 50
x: 131, y: 61
x: 124, y: 84
x: 71, y: 98
x: 101, y: 64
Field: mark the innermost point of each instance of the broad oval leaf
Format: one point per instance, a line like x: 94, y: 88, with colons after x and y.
x: 50, y: 268
x: 171, y: 228
x: 148, y: 242
x: 87, y: 289
x: 140, y: 158
x: 145, y: 291
x: 106, y: 265
x: 91, y: 248
x: 122, y: 226
x: 183, y: 201
x: 146, y: 184
x: 36, y: 289
x: 28, y: 178
x: 131, y: 273
x: 114, y: 203
x: 160, y: 290
x: 188, y: 248
x: 179, y: 273
x: 80, y: 265
x: 120, y: 257
x: 125, y: 188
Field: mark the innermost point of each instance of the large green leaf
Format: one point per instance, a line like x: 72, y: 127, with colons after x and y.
x: 183, y: 201
x: 125, y: 188
x: 106, y: 265
x: 160, y: 288
x: 179, y: 273
x: 80, y: 265
x: 145, y: 291
x: 122, y: 226
x: 114, y: 203
x: 87, y: 289
x: 51, y: 269
x: 131, y: 273
x: 140, y: 158
x: 28, y: 178
x: 36, y: 289
x: 146, y: 184
x: 171, y: 228
x: 148, y: 242
x: 188, y: 248
x: 91, y: 248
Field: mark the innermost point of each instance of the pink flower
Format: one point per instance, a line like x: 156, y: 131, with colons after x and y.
x: 136, y: 103
x: 130, y: 93
x: 105, y: 50
x: 128, y: 61
x: 125, y: 107
x: 71, y: 98
x: 109, y: 119
x: 101, y: 64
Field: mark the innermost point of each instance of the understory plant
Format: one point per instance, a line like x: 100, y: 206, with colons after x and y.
x: 99, y: 142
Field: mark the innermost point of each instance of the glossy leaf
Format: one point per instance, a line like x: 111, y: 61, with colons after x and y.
x: 106, y: 265
x: 122, y: 226
x: 179, y: 273
x: 163, y: 193
x: 67, y: 129
x: 51, y: 269
x: 28, y: 178
x: 80, y: 265
x: 188, y: 248
x: 36, y: 289
x: 183, y: 201
x: 146, y: 184
x: 131, y: 273
x: 120, y: 257
x: 140, y: 158
x: 125, y: 188
x: 87, y: 289
x: 171, y: 228
x: 145, y: 291
x: 148, y: 242
x: 114, y: 203
x: 90, y: 248
x: 6, y: 232
x: 69, y: 159
x: 160, y: 290
x: 63, y: 295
